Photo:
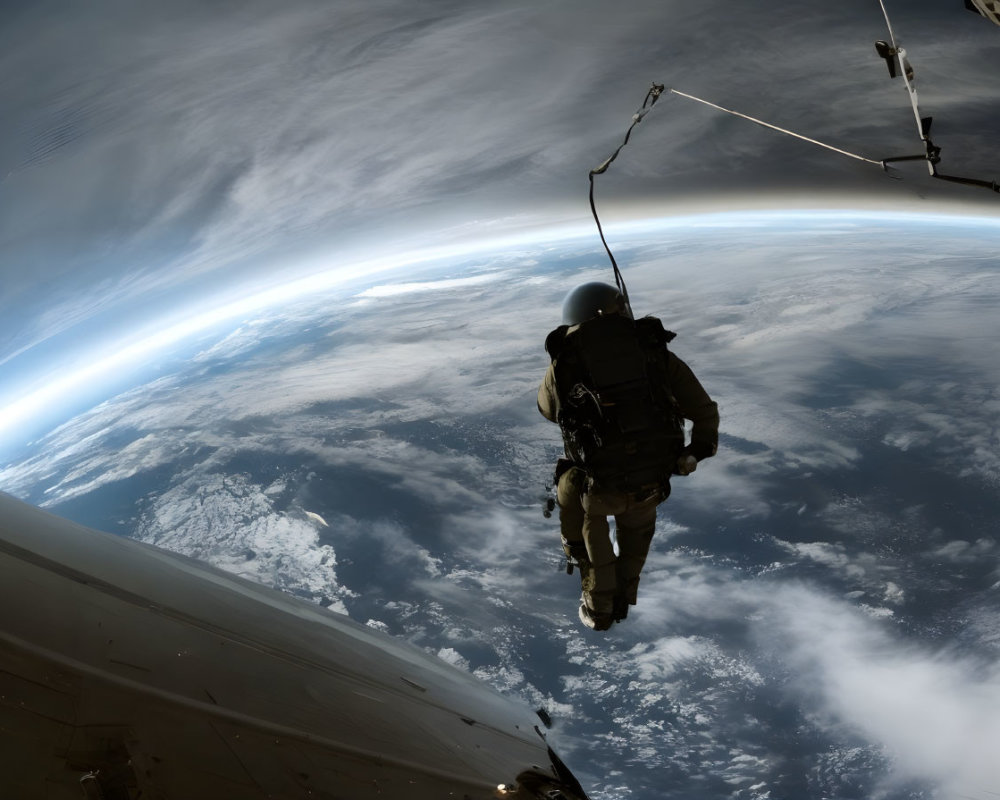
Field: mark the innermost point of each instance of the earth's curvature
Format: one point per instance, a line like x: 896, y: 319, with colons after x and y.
x: 819, y: 614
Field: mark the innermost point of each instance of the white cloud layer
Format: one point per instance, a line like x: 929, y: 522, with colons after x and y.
x: 937, y: 714
x: 395, y: 436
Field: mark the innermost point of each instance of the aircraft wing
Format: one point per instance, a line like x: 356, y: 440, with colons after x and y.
x: 127, y: 671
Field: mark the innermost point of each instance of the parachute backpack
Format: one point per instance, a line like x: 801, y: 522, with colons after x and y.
x: 615, y: 409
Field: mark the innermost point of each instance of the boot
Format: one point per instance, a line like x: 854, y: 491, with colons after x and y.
x: 594, y: 620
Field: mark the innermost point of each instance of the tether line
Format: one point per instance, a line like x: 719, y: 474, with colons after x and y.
x: 776, y: 128
x: 651, y: 97
x: 654, y: 93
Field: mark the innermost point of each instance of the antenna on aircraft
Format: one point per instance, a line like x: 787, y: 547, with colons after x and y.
x: 899, y: 66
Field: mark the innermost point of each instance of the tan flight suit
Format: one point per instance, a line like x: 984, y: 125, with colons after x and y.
x: 584, y: 506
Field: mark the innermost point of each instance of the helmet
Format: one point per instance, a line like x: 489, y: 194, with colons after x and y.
x: 589, y: 300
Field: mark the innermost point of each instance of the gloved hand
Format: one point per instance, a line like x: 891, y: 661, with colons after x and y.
x: 686, y: 464
x: 575, y: 551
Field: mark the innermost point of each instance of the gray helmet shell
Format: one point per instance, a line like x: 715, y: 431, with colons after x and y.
x: 589, y: 300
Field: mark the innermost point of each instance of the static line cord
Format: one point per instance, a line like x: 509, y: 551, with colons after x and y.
x: 647, y: 105
x: 654, y: 93
x: 930, y: 157
x: 657, y: 89
x: 776, y: 128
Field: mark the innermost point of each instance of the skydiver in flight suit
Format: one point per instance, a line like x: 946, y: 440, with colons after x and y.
x: 619, y: 396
